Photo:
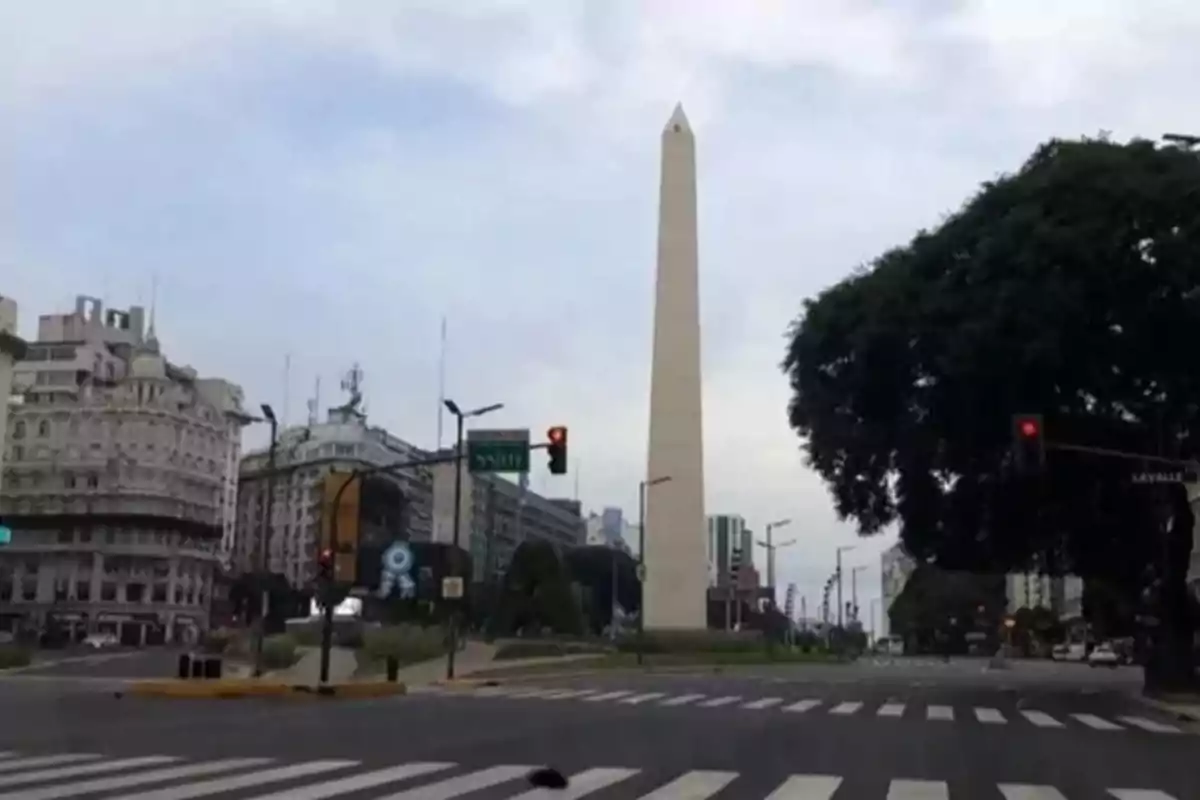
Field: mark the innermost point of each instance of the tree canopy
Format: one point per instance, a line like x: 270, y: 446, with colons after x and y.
x: 1070, y: 288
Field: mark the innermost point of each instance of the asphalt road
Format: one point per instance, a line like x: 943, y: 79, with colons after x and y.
x: 107, y: 663
x: 933, y: 736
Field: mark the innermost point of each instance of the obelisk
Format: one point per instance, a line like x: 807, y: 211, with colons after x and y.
x: 675, y: 593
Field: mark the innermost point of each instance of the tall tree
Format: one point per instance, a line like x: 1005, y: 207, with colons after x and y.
x: 1070, y: 288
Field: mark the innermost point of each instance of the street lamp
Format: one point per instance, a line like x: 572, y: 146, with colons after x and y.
x: 841, y: 609
x: 854, y: 588
x: 460, y: 418
x: 263, y: 536
x: 642, y: 487
x: 770, y: 545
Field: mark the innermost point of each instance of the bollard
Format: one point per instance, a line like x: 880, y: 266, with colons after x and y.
x: 212, y: 668
x: 393, y: 669
x: 197, y: 667
x: 185, y: 666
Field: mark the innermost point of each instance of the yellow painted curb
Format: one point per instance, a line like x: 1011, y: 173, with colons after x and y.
x: 249, y: 688
x: 466, y: 683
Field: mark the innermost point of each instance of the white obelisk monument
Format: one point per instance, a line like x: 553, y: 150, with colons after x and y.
x: 675, y: 593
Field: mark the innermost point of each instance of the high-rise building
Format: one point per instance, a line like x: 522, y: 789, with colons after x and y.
x: 12, y: 350
x: 304, y: 455
x: 119, y: 483
x: 895, y: 567
x: 676, y: 583
x: 610, y: 529
x: 496, y: 515
x: 726, y: 533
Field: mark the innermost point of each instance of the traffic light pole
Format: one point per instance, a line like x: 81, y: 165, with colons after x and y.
x: 327, y: 589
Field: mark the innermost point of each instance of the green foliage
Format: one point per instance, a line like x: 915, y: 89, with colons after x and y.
x: 937, y: 602
x: 536, y: 594
x: 12, y: 656
x: 407, y: 643
x: 279, y: 652
x: 218, y: 642
x: 1056, y: 290
x: 307, y: 633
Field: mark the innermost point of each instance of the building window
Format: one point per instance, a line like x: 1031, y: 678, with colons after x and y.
x: 43, y: 428
x: 18, y: 429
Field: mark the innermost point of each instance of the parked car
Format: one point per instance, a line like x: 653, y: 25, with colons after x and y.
x: 99, y: 641
x: 1072, y: 651
x: 1104, y: 655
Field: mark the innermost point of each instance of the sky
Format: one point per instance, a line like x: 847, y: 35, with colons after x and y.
x: 321, y: 183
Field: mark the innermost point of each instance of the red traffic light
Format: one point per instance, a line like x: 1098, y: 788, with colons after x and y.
x: 557, y: 434
x: 326, y: 555
x: 1029, y: 428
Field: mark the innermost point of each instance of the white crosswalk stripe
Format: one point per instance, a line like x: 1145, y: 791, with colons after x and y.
x: 839, y: 708
x: 145, y: 778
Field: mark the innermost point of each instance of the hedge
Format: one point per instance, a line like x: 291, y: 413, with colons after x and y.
x: 15, y: 656
x: 693, y: 642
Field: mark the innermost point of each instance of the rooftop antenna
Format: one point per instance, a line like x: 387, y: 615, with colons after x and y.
x: 352, y: 384
x: 314, y: 404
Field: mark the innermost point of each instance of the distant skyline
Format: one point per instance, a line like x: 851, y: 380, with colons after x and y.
x: 330, y: 180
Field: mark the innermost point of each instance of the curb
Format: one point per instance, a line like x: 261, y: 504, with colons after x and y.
x: 244, y: 689
x: 1168, y: 708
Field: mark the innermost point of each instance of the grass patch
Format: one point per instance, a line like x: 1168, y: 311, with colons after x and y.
x: 13, y: 656
x: 512, y: 650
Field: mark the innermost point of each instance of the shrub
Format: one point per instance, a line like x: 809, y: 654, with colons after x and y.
x: 279, y: 652
x: 218, y: 642
x: 407, y: 643
x: 15, y: 656
x: 306, y: 633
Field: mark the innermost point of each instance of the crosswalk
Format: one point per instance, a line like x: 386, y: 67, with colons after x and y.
x: 62, y: 776
x: 982, y: 715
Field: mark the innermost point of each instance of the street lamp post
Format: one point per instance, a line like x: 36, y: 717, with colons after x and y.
x: 841, y: 609
x: 771, y: 527
x: 460, y: 418
x: 264, y: 534
x: 642, y: 487
x: 854, y: 588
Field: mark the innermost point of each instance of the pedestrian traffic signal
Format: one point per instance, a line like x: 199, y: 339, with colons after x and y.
x: 325, y: 565
x: 557, y: 449
x: 1029, y: 444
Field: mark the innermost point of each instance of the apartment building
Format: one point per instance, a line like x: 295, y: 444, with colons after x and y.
x: 12, y: 350
x: 304, y: 456
x: 118, y: 481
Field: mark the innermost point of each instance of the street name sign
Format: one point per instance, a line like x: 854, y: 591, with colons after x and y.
x: 1165, y: 476
x: 500, y: 450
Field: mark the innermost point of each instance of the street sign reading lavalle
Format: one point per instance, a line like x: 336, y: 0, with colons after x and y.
x: 1165, y: 476
x: 500, y: 450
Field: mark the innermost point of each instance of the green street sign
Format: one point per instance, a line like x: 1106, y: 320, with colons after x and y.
x: 498, y: 450
x: 5, y: 535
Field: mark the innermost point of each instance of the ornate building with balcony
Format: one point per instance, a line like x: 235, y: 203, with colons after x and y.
x: 120, y: 482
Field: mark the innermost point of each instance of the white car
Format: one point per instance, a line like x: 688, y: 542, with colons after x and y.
x: 99, y: 641
x: 1103, y: 656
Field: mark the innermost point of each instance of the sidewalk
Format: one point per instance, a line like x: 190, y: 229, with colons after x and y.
x: 1183, y: 708
x: 474, y: 658
x: 307, y: 670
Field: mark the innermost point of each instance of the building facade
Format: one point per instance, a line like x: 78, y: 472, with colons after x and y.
x: 117, y: 482
x: 304, y: 456
x: 610, y: 529
x: 12, y: 350
x: 895, y: 567
x: 510, y: 513
x: 726, y: 533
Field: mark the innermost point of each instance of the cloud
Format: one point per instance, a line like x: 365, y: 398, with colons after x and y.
x: 328, y: 180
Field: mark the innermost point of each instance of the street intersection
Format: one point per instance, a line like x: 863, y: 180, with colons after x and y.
x: 790, y: 733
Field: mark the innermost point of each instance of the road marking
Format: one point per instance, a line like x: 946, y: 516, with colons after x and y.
x: 1149, y: 725
x: 45, y: 761
x: 575, y: 694
x: 802, y: 706
x: 721, y: 701
x: 606, y: 696
x: 1139, y: 794
x: 581, y: 784
x: 807, y: 787
x: 918, y: 790
x: 845, y: 708
x: 638, y: 699
x: 355, y: 783
x: 766, y: 702
x: 682, y: 699
x: 463, y: 784
x: 561, y: 694
x: 1042, y: 719
x: 940, y: 713
x: 694, y: 785
x: 98, y: 785
x: 95, y: 768
x: 222, y: 785
x: 1026, y: 791
x: 989, y: 716
x: 891, y: 710
x: 1100, y: 724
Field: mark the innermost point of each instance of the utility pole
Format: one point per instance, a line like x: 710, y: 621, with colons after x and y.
x: 838, y: 573
x: 264, y: 536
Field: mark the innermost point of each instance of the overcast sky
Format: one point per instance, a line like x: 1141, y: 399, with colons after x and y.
x: 328, y: 179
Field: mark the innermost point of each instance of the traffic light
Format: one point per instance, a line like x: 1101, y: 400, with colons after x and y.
x: 557, y: 449
x: 735, y: 568
x: 1029, y: 444
x: 325, y: 565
